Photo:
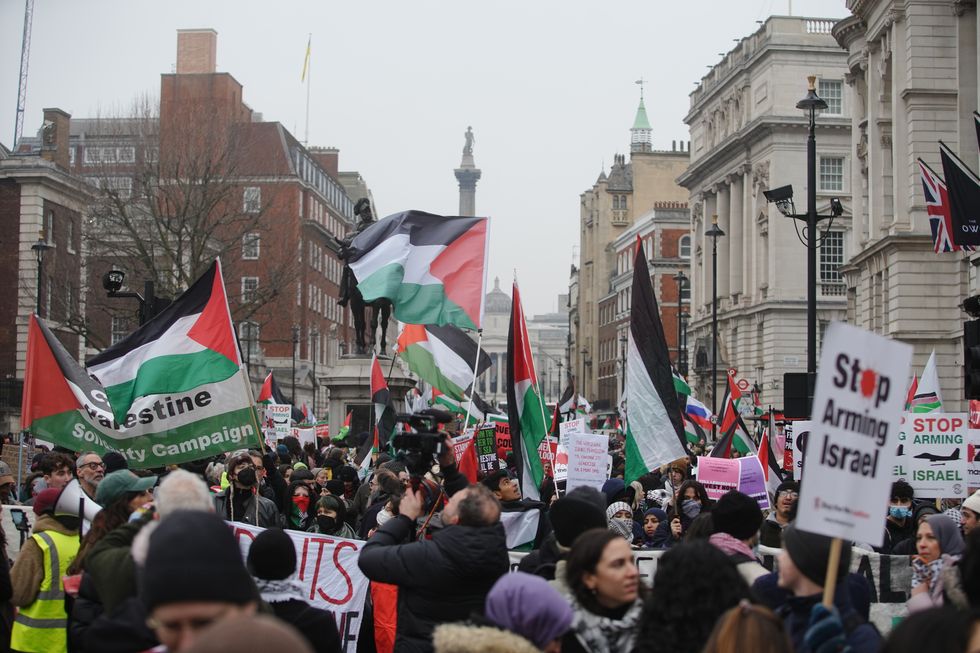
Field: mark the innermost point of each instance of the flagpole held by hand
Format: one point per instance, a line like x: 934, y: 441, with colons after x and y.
x: 830, y: 582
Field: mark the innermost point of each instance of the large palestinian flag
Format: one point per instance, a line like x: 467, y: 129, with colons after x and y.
x: 432, y: 268
x: 654, y: 426
x: 442, y: 356
x: 524, y: 408
x: 188, y: 411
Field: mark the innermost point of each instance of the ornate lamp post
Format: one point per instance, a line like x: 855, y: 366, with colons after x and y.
x: 714, y: 233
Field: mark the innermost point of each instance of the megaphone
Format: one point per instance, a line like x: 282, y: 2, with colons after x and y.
x: 74, y: 502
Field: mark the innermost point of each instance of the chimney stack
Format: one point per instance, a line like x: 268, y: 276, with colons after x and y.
x: 196, y: 51
x: 55, y: 133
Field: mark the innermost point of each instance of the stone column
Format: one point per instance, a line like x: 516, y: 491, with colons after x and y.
x: 724, y: 242
x: 710, y: 208
x: 735, y: 238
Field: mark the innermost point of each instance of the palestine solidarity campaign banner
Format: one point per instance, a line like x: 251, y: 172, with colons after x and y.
x: 171, y: 392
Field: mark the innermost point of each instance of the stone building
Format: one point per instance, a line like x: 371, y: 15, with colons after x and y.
x: 42, y: 205
x: 748, y: 136
x: 912, y: 80
x: 608, y: 208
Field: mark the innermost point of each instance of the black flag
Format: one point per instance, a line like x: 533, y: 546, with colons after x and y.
x: 963, y: 188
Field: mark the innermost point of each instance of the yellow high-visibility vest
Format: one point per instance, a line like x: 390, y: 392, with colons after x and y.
x: 41, y: 627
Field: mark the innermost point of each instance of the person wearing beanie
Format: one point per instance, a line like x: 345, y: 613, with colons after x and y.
x: 736, y: 518
x: 580, y: 510
x: 272, y: 563
x: 802, y: 569
x: 784, y: 510
x: 522, y: 614
x: 114, y: 461
x: 508, y: 492
x: 193, y: 575
x: 36, y: 578
x: 241, y: 500
x: 970, y: 512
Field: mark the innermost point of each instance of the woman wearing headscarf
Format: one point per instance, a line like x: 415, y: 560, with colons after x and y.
x: 934, y: 572
x: 654, y: 537
x: 620, y: 519
x: 605, y: 594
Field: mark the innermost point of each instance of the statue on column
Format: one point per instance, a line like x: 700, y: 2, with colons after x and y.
x: 468, y: 147
x: 349, y: 293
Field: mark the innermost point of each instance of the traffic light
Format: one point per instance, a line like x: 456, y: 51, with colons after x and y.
x: 971, y: 359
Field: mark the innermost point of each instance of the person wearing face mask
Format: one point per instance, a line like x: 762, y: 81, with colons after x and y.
x: 302, y: 512
x: 330, y: 519
x: 692, y: 499
x: 240, y: 501
x: 899, y: 525
x: 620, y: 519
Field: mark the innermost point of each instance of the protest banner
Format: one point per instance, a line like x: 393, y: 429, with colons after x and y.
x: 932, y: 454
x: 573, y: 426
x: 326, y: 568
x: 278, y: 416
x: 551, y: 450
x: 721, y: 475
x: 973, y: 448
x: 503, y: 435
x: 889, y: 578
x: 486, y: 448
x: 788, y: 449
x: 464, y: 448
x: 801, y: 436
x: 323, y: 430
x: 587, y: 454
x: 856, y: 417
x: 306, y: 435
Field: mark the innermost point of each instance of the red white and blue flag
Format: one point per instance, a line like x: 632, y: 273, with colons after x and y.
x: 698, y: 413
x: 937, y: 206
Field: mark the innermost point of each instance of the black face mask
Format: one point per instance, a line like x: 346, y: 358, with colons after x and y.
x: 246, y: 477
x: 326, y: 524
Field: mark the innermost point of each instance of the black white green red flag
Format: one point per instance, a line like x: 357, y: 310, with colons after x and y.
x: 384, y: 409
x: 654, y: 426
x: 271, y: 393
x: 171, y: 392
x: 525, y: 411
x: 431, y: 267
x: 442, y: 356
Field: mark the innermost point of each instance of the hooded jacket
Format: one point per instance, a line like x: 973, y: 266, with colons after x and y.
x: 268, y: 515
x: 468, y: 638
x: 439, y: 580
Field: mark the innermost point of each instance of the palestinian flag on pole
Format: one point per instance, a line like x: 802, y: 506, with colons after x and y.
x: 524, y: 407
x: 480, y: 411
x: 163, y: 414
x: 654, y: 426
x: 384, y: 409
x: 345, y: 429
x: 910, y: 397
x: 771, y: 464
x: 271, y: 393
x: 928, y: 398
x: 680, y: 384
x: 432, y: 268
x: 566, y: 405
x: 442, y: 356
x: 693, y: 433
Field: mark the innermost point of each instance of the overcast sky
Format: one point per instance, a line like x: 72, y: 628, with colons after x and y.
x: 548, y: 86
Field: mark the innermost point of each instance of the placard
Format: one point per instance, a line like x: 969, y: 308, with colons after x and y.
x: 801, y: 437
x: 856, y: 418
x: 722, y: 475
x: 305, y: 435
x: 573, y: 426
x: 587, y: 454
x: 278, y: 418
x: 933, y: 454
x: 973, y: 447
x: 486, y: 448
x: 551, y: 450
x: 752, y: 480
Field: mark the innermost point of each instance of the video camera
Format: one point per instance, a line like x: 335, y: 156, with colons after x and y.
x: 420, y: 450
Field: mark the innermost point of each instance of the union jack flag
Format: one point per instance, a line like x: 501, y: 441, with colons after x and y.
x: 937, y: 206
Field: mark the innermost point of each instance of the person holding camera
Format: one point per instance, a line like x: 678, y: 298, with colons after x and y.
x: 445, y: 578
x: 241, y: 501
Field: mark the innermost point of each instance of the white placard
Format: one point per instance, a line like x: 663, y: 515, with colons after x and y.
x: 801, y: 436
x: 587, y: 458
x: 856, y: 418
x: 304, y: 435
x: 278, y: 417
x: 573, y: 426
x: 933, y: 454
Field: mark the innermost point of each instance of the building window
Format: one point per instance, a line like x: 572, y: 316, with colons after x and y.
x: 71, y: 156
x: 684, y: 247
x: 120, y: 329
x: 248, y: 336
x: 250, y: 245
x: 249, y: 287
x: 831, y: 91
x: 121, y: 187
x: 252, y: 199
x: 70, y: 235
x: 49, y: 228
x: 831, y: 173
x: 831, y: 258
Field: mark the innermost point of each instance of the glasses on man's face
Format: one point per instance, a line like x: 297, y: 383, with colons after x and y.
x: 93, y: 466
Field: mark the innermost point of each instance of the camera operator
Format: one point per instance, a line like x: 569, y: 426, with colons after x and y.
x: 445, y: 578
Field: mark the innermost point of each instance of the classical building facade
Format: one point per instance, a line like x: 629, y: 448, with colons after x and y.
x: 912, y: 80
x: 748, y: 136
x: 631, y: 189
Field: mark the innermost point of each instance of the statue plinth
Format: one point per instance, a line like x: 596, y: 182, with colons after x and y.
x: 349, y: 382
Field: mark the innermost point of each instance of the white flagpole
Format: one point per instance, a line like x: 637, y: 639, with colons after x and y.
x: 476, y: 366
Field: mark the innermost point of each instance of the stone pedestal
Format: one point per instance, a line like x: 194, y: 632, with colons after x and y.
x: 349, y: 385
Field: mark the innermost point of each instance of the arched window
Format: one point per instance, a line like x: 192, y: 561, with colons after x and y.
x: 684, y: 247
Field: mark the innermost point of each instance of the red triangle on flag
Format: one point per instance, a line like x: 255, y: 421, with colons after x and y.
x: 213, y: 329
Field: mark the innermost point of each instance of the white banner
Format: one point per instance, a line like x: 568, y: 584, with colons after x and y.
x: 857, y: 413
x: 326, y: 567
x: 933, y: 454
x: 573, y: 426
x: 587, y: 458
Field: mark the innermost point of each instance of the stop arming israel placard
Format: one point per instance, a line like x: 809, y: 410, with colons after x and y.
x: 857, y: 412
x: 932, y: 456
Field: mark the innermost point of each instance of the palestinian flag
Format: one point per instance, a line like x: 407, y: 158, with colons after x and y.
x: 680, y: 384
x: 736, y: 437
x: 177, y: 414
x: 345, y: 429
x: 271, y: 393
x: 442, y: 356
x: 731, y: 420
x: 910, y: 397
x: 384, y: 409
x: 770, y: 461
x: 928, y: 398
x: 479, y: 410
x: 432, y: 268
x: 566, y: 404
x: 524, y: 407
x: 654, y: 426
x: 693, y: 433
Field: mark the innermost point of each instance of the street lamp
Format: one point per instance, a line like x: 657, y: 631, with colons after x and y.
x: 150, y: 305
x: 315, y: 335
x: 681, y: 280
x: 782, y: 197
x: 39, y: 248
x: 295, y: 343
x: 714, y: 233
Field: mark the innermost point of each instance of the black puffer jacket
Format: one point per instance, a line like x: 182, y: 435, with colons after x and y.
x: 440, y: 580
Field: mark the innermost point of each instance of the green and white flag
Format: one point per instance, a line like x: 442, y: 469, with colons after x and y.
x: 928, y: 397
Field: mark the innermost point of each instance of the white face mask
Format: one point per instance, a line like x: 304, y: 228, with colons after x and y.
x: 383, y: 516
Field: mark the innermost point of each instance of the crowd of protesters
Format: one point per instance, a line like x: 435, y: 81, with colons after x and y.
x: 158, y: 568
